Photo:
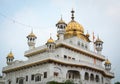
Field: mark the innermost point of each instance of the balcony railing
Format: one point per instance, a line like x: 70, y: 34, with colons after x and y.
x: 61, y: 59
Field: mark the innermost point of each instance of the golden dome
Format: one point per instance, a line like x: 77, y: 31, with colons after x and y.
x: 10, y: 55
x: 74, y: 26
x: 31, y: 35
x: 98, y: 40
x: 107, y: 62
x: 61, y: 21
x: 50, y: 40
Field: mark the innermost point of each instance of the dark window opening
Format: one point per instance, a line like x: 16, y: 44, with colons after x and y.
x: 26, y: 78
x: 32, y: 77
x: 56, y: 74
x: 65, y: 56
x: 38, y: 78
x: 45, y: 74
x: 16, y: 80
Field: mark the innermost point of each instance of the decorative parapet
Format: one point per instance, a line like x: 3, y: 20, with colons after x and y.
x: 61, y: 60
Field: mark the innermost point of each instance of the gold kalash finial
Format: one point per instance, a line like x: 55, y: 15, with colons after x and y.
x: 72, y: 15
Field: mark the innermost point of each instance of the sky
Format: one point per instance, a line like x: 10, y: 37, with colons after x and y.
x: 19, y: 17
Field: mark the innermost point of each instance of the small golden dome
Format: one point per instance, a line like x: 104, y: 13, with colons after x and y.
x: 61, y: 21
x: 31, y: 35
x: 10, y: 55
x: 74, y: 26
x: 98, y: 40
x: 107, y: 62
x: 50, y: 40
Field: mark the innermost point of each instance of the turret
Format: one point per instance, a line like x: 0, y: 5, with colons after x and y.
x: 50, y: 45
x: 98, y: 45
x: 107, y: 65
x: 10, y: 58
x: 31, y: 40
x: 61, y: 25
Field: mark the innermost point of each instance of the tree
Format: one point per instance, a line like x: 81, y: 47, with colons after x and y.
x: 117, y: 82
x: 69, y: 82
x: 52, y: 82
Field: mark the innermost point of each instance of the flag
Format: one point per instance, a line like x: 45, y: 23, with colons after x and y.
x: 93, y: 41
x: 94, y: 60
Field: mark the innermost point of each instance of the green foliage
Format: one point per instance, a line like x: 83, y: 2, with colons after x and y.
x: 117, y: 82
x: 54, y: 82
x: 69, y: 82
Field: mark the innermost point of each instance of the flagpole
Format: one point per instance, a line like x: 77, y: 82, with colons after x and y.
x: 93, y: 42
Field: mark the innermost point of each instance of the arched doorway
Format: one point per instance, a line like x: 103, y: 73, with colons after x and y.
x: 97, y: 78
x: 91, y: 77
x: 73, y: 74
x: 86, y: 77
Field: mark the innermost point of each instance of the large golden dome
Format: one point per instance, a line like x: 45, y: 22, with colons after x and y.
x: 75, y: 29
x: 74, y: 26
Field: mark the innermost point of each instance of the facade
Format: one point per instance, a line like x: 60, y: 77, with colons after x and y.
x: 67, y: 58
x: 2, y: 81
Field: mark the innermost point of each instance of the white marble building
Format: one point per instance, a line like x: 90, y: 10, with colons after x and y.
x: 67, y: 58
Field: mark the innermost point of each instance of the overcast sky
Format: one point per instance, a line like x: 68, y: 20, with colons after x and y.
x: 99, y: 16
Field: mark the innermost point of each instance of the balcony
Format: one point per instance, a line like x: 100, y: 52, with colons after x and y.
x: 51, y: 56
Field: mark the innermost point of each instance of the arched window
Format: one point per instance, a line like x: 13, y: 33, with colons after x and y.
x: 78, y: 43
x: 102, y: 79
x: 38, y: 77
x: 86, y: 77
x: 86, y: 46
x: 97, y: 78
x: 82, y: 45
x: 92, y: 77
x: 21, y: 81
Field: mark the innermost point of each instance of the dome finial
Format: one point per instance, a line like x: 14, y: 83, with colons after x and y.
x: 61, y: 16
x: 50, y: 35
x: 72, y: 14
x: 31, y: 30
x: 87, y: 34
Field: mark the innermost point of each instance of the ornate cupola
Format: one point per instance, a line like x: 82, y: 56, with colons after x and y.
x: 75, y: 29
x: 98, y: 45
x: 10, y: 58
x: 50, y: 44
x: 107, y: 65
x: 61, y: 25
x: 31, y: 40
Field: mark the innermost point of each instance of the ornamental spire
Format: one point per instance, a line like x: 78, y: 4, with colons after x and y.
x: 72, y: 14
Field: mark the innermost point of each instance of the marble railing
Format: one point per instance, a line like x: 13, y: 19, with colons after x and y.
x: 85, y: 50
x: 53, y: 57
x: 80, y: 62
x: 62, y: 42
